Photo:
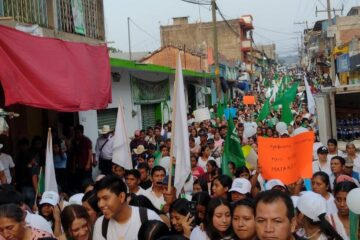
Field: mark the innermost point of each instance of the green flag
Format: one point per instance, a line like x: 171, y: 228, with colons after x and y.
x: 265, y: 111
x: 232, y: 148
x: 220, y: 110
x: 354, y: 225
x: 288, y: 96
x: 41, y: 182
x: 157, y: 155
x: 286, y: 114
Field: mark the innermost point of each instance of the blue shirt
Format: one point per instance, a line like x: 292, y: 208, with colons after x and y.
x: 60, y: 161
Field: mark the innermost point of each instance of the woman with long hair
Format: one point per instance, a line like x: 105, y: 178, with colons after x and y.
x: 221, y: 186
x: 340, y: 221
x: 76, y: 223
x: 180, y: 217
x: 217, y: 225
x: 212, y: 171
x: 201, y: 199
x: 89, y: 202
x: 311, y: 212
x: 205, y: 156
x: 320, y: 183
x: 153, y: 230
x: 243, y: 220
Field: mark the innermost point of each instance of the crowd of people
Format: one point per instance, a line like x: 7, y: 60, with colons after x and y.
x: 140, y: 203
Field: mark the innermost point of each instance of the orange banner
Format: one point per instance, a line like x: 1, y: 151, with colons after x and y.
x: 249, y: 100
x: 287, y: 159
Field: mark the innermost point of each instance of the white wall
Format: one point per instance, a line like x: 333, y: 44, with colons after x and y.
x: 122, y: 90
x: 89, y: 120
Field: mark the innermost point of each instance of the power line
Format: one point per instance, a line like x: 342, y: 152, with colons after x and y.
x: 227, y: 23
x: 198, y: 2
x: 144, y: 31
x: 274, y: 31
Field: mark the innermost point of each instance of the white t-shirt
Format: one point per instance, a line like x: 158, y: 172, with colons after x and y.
x: 356, y: 161
x: 202, y: 163
x: 128, y: 230
x: 335, y: 221
x: 325, y: 168
x: 141, y: 191
x: 198, y: 234
x: 330, y: 205
x: 38, y: 222
x: 316, y: 146
x: 339, y: 153
x: 7, y: 162
x: 158, y: 202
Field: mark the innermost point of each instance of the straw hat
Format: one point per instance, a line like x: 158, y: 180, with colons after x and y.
x: 105, y: 129
x: 139, y: 149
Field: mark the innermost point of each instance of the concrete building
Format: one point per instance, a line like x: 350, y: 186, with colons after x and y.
x: 43, y: 18
x: 166, y: 56
x: 269, y: 51
x: 199, y: 36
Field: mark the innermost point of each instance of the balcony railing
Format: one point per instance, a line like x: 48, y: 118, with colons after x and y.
x: 41, y: 12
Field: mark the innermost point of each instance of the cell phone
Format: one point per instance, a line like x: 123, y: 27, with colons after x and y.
x: 192, y: 211
x: 192, y: 208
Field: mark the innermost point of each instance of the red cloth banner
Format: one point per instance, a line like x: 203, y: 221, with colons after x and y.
x: 53, y: 74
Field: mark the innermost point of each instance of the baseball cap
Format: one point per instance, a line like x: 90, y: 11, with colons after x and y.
x: 312, y: 205
x: 344, y: 178
x: 322, y: 150
x: 349, y: 163
x: 273, y: 183
x: 241, y: 185
x: 76, y: 199
x: 281, y: 128
x: 210, y: 141
x: 50, y: 197
x: 295, y: 200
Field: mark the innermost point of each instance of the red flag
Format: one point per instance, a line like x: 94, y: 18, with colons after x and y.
x: 53, y: 74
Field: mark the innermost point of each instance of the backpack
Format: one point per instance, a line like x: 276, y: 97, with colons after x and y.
x: 105, y: 223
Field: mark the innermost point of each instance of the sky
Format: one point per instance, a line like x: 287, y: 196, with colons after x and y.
x: 273, y: 19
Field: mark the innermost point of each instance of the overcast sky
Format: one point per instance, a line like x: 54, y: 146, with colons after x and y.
x: 273, y: 19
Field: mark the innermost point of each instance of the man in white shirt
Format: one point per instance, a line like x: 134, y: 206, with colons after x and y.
x: 132, y: 179
x: 155, y: 193
x: 104, y: 150
x: 119, y: 220
x: 8, y: 164
x: 322, y: 164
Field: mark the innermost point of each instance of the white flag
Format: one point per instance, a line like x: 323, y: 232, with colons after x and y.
x: 180, y: 135
x: 50, y: 179
x: 310, y: 98
x: 121, y: 147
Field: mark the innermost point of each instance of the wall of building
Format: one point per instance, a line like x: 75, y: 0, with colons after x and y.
x: 167, y: 56
x: 199, y: 36
x: 347, y: 28
x: 122, y: 90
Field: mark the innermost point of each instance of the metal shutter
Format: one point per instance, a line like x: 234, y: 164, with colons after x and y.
x: 107, y: 117
x: 148, y: 115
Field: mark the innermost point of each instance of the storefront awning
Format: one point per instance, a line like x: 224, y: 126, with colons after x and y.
x: 53, y: 74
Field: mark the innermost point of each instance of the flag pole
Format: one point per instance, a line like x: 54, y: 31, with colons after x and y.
x: 37, y: 188
x: 172, y: 128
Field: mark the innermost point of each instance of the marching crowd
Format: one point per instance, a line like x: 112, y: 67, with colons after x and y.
x: 141, y: 203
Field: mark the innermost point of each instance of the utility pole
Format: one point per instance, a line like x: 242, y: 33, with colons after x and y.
x: 216, y: 50
x: 331, y: 38
x: 129, y: 39
x: 300, y: 47
x: 251, y: 54
x: 302, y: 23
